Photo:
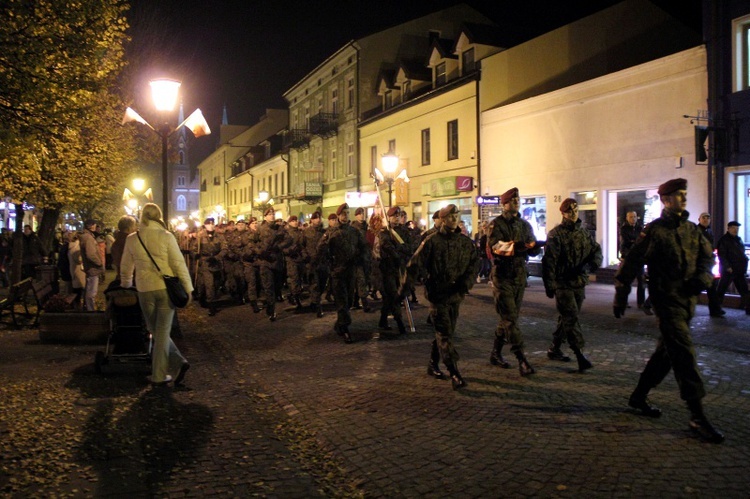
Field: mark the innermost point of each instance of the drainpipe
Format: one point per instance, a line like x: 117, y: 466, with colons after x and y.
x: 479, y: 141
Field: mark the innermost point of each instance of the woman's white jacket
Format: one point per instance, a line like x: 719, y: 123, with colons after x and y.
x: 164, y: 249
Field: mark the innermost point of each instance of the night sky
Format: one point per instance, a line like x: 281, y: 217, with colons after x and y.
x: 246, y: 54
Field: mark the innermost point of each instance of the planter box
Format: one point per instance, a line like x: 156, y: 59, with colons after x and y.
x: 74, y: 327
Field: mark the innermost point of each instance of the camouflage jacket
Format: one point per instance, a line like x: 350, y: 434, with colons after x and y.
x: 678, y: 256
x: 344, y: 247
x: 249, y: 240
x: 231, y: 249
x: 209, y: 247
x: 518, y: 231
x: 311, y: 237
x: 271, y: 244
x: 450, y: 262
x: 570, y: 254
x: 393, y: 255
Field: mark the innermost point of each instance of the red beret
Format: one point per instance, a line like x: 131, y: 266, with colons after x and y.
x: 509, y: 194
x: 436, y: 215
x: 269, y: 210
x: 393, y: 211
x: 293, y: 218
x: 360, y: 211
x: 566, y: 204
x: 671, y: 186
x: 333, y: 216
x: 315, y: 215
x: 252, y: 220
x: 448, y: 210
x: 342, y: 208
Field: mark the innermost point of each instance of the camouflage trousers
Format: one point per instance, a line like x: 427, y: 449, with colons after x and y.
x: 361, y: 285
x: 444, y: 318
x: 318, y: 276
x: 508, y: 294
x: 675, y: 349
x: 294, y: 270
x: 391, y: 281
x: 235, y: 277
x: 252, y: 278
x: 569, y: 302
x: 207, y: 279
x: 342, y: 283
x: 268, y: 277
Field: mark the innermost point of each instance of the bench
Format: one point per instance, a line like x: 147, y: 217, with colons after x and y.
x: 18, y: 296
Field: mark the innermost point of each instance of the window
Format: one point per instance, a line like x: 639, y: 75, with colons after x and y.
x: 320, y: 104
x: 467, y: 61
x: 181, y: 203
x: 182, y: 157
x: 283, y: 184
x: 180, y: 181
x: 335, y: 101
x: 388, y: 99
x: 392, y: 146
x: 426, y: 146
x: 276, y: 184
x: 440, y: 74
x: 333, y: 164
x: 350, y: 159
x: 453, y: 139
x: 307, y: 117
x: 741, y: 53
x: 406, y: 91
x: 350, y: 93
x: 373, y: 158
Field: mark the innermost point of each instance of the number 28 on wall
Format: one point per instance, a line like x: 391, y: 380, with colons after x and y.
x: 557, y: 198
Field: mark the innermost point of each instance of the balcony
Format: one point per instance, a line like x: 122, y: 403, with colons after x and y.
x: 324, y: 124
x: 297, y: 138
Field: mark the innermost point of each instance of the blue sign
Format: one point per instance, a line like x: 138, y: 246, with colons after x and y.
x: 488, y: 200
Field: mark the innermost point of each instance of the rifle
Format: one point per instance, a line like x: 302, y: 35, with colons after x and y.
x: 395, y: 235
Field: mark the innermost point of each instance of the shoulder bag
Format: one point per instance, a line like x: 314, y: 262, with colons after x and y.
x: 176, y: 291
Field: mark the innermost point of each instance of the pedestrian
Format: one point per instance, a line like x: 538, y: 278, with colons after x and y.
x: 93, y: 262
x: 125, y: 226
x: 629, y: 232
x: 109, y: 240
x: 511, y: 241
x: 345, y: 248
x: 77, y: 274
x: 63, y: 265
x: 158, y: 310
x: 714, y: 306
x: 732, y: 265
x: 450, y: 263
x: 33, y: 254
x: 570, y: 254
x: 679, y: 260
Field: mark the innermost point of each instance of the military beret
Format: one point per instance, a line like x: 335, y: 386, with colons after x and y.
x: 293, y: 218
x: 342, y: 208
x: 508, y: 195
x: 734, y: 224
x: 436, y: 215
x: 333, y: 216
x: 209, y: 220
x: 567, y: 204
x: 315, y: 215
x: 252, y: 220
x: 360, y: 211
x: 671, y: 186
x: 90, y: 222
x: 448, y: 210
x: 269, y: 210
x: 394, y: 211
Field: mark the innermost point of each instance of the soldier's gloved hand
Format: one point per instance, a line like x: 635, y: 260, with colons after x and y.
x: 619, y: 310
x: 694, y: 286
x: 550, y: 292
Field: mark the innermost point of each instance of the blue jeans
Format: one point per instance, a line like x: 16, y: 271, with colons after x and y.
x: 159, y: 312
x: 92, y: 288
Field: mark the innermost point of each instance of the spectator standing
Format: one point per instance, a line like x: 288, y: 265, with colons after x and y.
x: 629, y: 232
x: 77, y: 274
x: 33, y: 254
x: 93, y: 262
x: 125, y: 226
x: 732, y: 264
x: 714, y: 306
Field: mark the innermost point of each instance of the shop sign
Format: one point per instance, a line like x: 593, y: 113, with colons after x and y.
x: 445, y: 186
x: 464, y: 184
x: 312, y: 189
x: 488, y: 200
x: 363, y: 199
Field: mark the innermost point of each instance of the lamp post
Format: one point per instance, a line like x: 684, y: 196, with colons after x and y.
x: 164, y: 94
x: 389, y: 162
x: 132, y: 199
x: 263, y: 202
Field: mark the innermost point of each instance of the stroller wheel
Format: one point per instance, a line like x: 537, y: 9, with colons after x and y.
x: 99, y: 361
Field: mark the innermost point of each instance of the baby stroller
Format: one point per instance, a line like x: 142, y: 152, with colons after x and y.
x: 129, y: 341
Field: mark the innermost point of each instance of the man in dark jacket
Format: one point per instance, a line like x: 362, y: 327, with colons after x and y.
x: 679, y: 263
x: 570, y: 255
x: 714, y: 305
x: 33, y: 254
x: 209, y: 265
x: 629, y: 232
x: 317, y: 267
x: 450, y: 263
x: 345, y: 248
x: 271, y: 257
x: 732, y: 264
x: 361, y: 274
x: 511, y: 241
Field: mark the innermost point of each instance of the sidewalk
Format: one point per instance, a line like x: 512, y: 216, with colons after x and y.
x: 286, y: 409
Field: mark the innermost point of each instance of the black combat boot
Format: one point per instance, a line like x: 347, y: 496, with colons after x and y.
x: 254, y: 304
x: 383, y: 323
x: 291, y: 299
x: 496, y: 359
x: 299, y: 308
x: 523, y: 365
x: 583, y: 362
x: 212, y: 310
x: 639, y: 401
x: 401, y: 326
x: 414, y: 296
x: 343, y: 331
x: 700, y: 425
x: 366, y: 305
x: 319, y: 310
x: 270, y: 312
x: 433, y: 368
x: 554, y: 352
x: 456, y: 380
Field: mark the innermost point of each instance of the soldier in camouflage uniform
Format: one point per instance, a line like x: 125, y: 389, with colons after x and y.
x: 249, y: 240
x: 317, y: 267
x: 411, y: 241
x: 511, y: 241
x: 361, y: 274
x: 231, y: 256
x: 209, y: 266
x: 392, y: 257
x: 270, y: 258
x: 295, y: 260
x: 679, y: 260
x: 345, y: 248
x: 451, y: 264
x: 570, y: 254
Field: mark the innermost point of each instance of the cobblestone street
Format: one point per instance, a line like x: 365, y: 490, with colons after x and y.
x: 286, y: 409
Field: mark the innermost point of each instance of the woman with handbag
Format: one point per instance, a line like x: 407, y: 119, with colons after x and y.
x: 153, y: 253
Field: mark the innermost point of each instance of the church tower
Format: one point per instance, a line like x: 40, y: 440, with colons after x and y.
x: 185, y: 188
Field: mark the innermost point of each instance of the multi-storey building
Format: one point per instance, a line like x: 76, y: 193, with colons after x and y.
x: 325, y: 106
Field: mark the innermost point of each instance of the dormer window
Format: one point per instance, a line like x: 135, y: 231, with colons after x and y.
x: 440, y: 74
x: 467, y: 61
x: 406, y: 90
x: 388, y: 99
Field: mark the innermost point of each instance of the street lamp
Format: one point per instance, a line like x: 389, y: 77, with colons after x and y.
x: 132, y: 200
x: 389, y: 162
x: 263, y: 202
x: 164, y: 93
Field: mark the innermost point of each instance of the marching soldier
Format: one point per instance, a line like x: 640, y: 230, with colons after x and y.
x: 571, y: 253
x: 511, y: 240
x: 209, y: 266
x: 317, y: 267
x: 249, y: 240
x: 392, y: 258
x: 451, y: 264
x: 361, y: 273
x: 270, y: 256
x: 679, y: 263
x: 295, y: 265
x: 345, y: 248
x: 231, y: 255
